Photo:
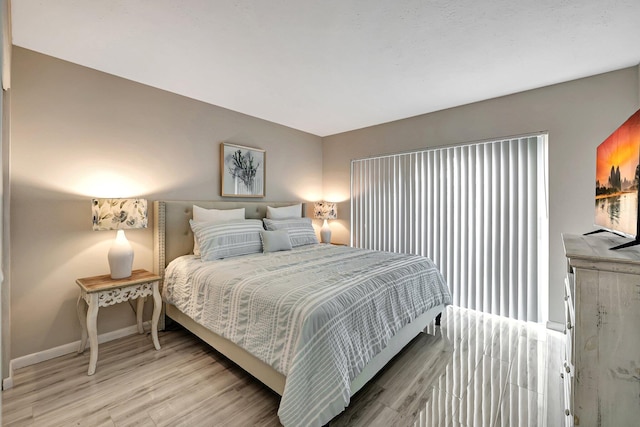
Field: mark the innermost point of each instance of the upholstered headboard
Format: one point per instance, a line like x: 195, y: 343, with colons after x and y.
x: 172, y: 235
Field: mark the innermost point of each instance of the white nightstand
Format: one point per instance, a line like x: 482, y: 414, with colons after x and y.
x: 103, y: 291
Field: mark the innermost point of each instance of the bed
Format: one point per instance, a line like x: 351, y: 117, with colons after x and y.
x: 310, y: 396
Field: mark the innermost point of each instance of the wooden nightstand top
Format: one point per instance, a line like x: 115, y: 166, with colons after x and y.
x: 104, y: 282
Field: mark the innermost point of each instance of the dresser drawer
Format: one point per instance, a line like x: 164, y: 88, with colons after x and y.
x: 569, y: 318
x: 568, y: 333
x: 602, y: 312
x: 569, y: 299
x: 568, y: 347
x: 566, y: 380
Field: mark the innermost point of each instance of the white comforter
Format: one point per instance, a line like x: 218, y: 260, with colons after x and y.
x: 318, y: 314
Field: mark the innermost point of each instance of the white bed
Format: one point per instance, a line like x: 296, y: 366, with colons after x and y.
x: 173, y: 239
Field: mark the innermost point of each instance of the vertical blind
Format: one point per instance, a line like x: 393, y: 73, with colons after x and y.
x: 477, y: 210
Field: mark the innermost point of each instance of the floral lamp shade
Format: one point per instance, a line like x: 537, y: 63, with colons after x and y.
x: 119, y: 214
x: 325, y: 211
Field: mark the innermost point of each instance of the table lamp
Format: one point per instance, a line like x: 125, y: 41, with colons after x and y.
x: 325, y: 211
x: 119, y: 214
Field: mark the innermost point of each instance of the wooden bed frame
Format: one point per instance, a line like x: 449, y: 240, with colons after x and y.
x: 172, y: 237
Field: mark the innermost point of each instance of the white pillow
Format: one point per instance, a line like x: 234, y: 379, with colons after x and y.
x: 300, y: 230
x: 228, y: 239
x: 217, y: 216
x: 273, y: 241
x: 293, y: 211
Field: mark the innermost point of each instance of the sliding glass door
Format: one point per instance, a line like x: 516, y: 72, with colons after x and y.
x: 478, y: 210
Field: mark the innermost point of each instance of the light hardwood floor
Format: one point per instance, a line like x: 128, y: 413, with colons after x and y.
x: 475, y: 370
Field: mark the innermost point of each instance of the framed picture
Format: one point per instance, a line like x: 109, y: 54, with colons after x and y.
x: 242, y: 171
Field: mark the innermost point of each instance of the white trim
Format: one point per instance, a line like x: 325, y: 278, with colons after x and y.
x: 72, y: 347
x: 6, y: 44
x: 7, y: 383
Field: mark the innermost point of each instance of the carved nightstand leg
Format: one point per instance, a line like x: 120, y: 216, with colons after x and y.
x: 82, y: 316
x: 139, y: 310
x: 157, y: 305
x: 92, y: 316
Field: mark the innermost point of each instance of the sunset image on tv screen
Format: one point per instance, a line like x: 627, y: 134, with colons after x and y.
x: 617, y: 178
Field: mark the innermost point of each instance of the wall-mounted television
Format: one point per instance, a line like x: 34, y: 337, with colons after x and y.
x: 617, y: 180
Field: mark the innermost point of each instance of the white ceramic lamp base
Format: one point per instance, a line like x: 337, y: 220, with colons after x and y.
x: 120, y: 257
x: 325, y: 233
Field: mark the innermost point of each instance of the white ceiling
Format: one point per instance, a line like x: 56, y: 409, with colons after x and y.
x: 329, y: 66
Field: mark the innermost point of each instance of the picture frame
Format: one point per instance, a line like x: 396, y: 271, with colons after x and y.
x: 242, y: 171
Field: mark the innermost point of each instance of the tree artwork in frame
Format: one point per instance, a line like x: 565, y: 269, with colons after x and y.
x: 242, y: 171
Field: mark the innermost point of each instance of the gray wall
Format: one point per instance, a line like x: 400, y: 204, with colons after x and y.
x: 78, y: 133
x: 578, y: 116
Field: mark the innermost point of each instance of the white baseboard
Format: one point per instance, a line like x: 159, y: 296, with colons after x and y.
x: 72, y: 347
x: 7, y: 383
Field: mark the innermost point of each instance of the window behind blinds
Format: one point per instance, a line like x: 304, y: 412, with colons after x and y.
x: 479, y: 211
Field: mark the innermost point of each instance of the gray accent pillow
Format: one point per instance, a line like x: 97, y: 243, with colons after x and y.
x: 300, y: 230
x: 227, y: 240
x: 273, y: 241
x: 214, y: 215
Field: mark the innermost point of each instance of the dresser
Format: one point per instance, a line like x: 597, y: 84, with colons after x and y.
x: 601, y: 370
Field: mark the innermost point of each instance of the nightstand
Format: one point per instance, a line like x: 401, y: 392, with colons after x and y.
x: 103, y: 291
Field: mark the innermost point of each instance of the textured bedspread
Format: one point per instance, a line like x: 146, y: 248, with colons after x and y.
x: 318, y: 314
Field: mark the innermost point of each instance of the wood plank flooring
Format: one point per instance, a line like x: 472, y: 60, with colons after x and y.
x: 474, y: 370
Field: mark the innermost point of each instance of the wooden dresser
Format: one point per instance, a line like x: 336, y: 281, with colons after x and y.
x: 601, y: 372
